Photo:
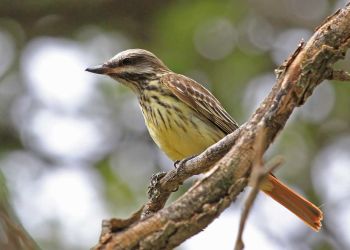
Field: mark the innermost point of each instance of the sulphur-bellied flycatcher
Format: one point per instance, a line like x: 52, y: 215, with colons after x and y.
x: 184, y: 118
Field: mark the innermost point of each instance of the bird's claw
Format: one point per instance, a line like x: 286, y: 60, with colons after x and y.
x: 179, y: 163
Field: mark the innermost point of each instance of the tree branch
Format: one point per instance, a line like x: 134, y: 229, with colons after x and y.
x: 161, y: 189
x: 205, y: 200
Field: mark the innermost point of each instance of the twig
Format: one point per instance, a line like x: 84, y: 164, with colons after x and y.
x: 339, y: 75
x: 257, y: 177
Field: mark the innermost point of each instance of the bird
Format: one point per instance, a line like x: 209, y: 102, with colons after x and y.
x: 184, y: 118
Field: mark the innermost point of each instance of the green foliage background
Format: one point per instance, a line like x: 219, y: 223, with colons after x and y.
x: 232, y: 47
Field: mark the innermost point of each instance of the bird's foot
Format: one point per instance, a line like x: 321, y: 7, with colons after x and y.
x: 179, y: 163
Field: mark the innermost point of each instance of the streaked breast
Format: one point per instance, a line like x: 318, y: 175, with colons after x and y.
x: 176, y: 128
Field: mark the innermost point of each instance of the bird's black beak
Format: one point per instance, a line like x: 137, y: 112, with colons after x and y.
x: 99, y: 69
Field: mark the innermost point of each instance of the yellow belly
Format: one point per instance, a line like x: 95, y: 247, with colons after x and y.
x: 180, y: 134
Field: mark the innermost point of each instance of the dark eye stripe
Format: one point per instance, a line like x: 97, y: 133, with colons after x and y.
x: 141, y: 61
x: 127, y: 61
x: 124, y: 62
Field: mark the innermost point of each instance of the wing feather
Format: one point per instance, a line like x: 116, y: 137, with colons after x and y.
x: 200, y: 99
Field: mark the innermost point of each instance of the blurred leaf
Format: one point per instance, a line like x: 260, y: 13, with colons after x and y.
x: 117, y: 191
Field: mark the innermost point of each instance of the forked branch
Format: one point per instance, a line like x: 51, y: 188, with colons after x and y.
x: 165, y: 228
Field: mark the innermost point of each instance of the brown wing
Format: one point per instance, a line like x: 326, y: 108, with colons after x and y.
x: 200, y: 99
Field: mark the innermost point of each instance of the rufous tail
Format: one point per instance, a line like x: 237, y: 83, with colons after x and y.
x: 295, y: 203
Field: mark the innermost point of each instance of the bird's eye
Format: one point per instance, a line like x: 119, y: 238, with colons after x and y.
x: 126, y: 61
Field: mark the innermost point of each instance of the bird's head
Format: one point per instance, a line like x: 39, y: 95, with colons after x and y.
x: 132, y: 68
